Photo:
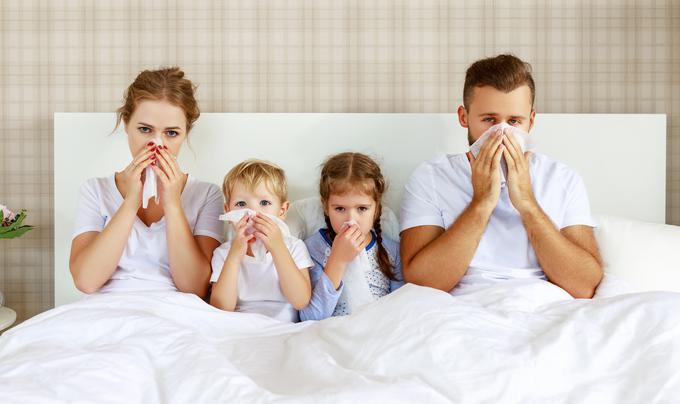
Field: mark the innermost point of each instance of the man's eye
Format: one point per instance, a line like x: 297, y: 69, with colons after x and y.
x: 265, y: 203
x: 514, y: 122
x: 488, y: 119
x: 240, y: 204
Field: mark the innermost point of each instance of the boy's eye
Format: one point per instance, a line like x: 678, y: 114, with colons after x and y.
x: 144, y: 129
x: 240, y: 204
x: 265, y: 203
x: 172, y: 133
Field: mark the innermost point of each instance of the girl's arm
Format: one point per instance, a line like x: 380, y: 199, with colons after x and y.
x: 95, y: 255
x: 324, y: 295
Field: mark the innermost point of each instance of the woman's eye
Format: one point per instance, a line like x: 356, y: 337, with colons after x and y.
x: 240, y: 204
x: 265, y: 203
x: 145, y: 129
x: 172, y: 133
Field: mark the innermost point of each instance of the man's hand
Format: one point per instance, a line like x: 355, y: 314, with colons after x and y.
x: 519, y: 179
x: 486, y: 178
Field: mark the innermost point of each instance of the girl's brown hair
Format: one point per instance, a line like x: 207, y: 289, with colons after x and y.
x: 167, y: 84
x: 350, y: 171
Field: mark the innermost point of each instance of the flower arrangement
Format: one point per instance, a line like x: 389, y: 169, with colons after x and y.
x: 11, y: 223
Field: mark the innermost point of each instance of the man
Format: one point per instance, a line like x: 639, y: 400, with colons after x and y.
x: 461, y: 226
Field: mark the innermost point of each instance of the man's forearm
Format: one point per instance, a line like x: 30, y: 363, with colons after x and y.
x: 443, y: 262
x: 564, y: 263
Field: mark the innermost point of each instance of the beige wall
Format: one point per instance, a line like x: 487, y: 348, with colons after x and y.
x: 308, y: 56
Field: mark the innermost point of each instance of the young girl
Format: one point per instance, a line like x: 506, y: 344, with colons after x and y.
x: 353, y: 263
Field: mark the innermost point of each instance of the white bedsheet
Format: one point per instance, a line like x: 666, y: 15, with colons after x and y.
x: 515, y: 342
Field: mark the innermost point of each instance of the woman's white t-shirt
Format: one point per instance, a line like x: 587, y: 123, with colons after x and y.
x: 144, y: 264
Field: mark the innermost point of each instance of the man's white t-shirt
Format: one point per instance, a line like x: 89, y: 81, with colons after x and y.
x: 440, y: 189
x: 259, y: 290
x: 144, y: 265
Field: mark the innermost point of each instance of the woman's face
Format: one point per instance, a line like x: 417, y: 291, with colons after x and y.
x: 152, y: 119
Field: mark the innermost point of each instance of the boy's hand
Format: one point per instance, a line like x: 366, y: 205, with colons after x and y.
x: 519, y: 179
x: 269, y: 233
x: 486, y: 177
x: 239, y: 245
x: 348, y: 244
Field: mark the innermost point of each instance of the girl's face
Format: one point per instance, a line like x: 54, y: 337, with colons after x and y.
x: 352, y: 205
x: 153, y: 119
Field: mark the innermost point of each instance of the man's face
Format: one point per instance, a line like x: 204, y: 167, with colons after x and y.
x: 490, y: 106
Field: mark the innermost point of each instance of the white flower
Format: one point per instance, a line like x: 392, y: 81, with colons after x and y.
x: 7, y: 215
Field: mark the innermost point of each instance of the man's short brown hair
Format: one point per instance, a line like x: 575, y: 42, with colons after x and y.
x: 503, y: 72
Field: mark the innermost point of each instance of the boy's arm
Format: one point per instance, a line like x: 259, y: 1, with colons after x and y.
x: 294, y: 281
x: 225, y: 291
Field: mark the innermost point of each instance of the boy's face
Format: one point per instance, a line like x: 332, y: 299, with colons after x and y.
x: 261, y: 200
x: 490, y: 106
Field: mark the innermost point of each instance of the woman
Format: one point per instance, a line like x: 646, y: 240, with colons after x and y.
x: 120, y: 246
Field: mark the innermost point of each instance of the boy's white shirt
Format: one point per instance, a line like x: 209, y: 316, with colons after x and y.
x: 259, y: 290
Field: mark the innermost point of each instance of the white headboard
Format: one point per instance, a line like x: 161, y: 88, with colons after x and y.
x: 622, y: 158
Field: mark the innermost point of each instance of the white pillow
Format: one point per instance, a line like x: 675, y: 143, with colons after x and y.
x: 305, y: 216
x: 646, y: 255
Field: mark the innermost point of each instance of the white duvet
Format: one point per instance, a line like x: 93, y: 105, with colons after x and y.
x: 515, y: 342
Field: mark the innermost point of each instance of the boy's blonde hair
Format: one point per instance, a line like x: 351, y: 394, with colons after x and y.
x: 252, y: 173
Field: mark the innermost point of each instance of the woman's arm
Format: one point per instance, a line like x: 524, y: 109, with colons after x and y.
x: 95, y: 255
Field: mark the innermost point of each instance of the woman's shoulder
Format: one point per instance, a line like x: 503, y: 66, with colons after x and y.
x: 202, y: 191
x: 95, y: 186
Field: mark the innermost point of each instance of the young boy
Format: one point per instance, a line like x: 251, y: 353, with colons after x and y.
x: 263, y: 269
x: 465, y: 221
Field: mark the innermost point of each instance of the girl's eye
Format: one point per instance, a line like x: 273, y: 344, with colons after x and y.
x: 172, y: 133
x: 144, y: 129
x: 363, y: 209
x: 339, y: 209
x: 265, y: 203
x: 240, y: 204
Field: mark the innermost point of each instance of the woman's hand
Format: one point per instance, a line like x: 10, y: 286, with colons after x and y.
x: 170, y: 176
x: 130, y: 179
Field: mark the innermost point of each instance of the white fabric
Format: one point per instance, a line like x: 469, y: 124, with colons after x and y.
x: 513, y: 342
x: 356, y: 290
x: 259, y: 290
x: 305, y: 217
x: 144, y: 263
x: 645, y: 255
x: 258, y: 248
x: 440, y: 189
x: 150, y: 189
x: 521, y: 137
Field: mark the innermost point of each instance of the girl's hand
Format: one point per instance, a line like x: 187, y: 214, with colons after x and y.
x: 130, y: 179
x: 170, y: 176
x: 269, y: 232
x: 239, y: 245
x: 348, y: 244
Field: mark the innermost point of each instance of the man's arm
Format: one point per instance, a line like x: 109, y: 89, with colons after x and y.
x: 436, y: 258
x: 433, y: 257
x: 569, y: 258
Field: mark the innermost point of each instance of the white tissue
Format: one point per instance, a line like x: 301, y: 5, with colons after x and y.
x: 357, y: 292
x: 522, y: 138
x: 150, y: 184
x: 257, y: 247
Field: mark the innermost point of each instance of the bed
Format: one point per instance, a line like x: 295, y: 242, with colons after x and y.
x: 514, y: 342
